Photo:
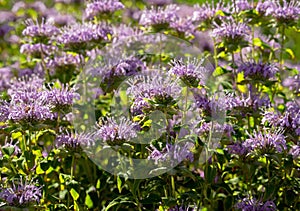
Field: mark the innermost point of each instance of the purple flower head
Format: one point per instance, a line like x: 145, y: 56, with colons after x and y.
x: 252, y: 102
x: 139, y: 106
x: 253, y: 204
x: 293, y: 83
x: 237, y: 149
x: 242, y: 5
x: 78, y: 36
x: 113, y: 72
x: 44, y: 29
x: 193, y: 72
x: 291, y: 117
x: 295, y: 152
x: 159, y: 16
x: 63, y: 97
x: 258, y: 70
x: 214, y: 104
x: 4, y: 110
x: 6, y: 74
x: 124, y: 31
x: 271, y: 117
x: 21, y: 193
x: 116, y: 133
x: 208, y: 11
x: 181, y: 208
x: 266, y: 141
x: 287, y: 11
x: 172, y: 153
x: 183, y: 25
x: 162, y: 89
x: 231, y: 31
x: 26, y: 113
x: 28, y: 101
x: 64, y: 61
x: 74, y: 141
x: 265, y: 7
x: 289, y: 120
x: 216, y: 128
x: 38, y: 49
x: 26, y: 83
x: 26, y: 89
x: 98, y: 7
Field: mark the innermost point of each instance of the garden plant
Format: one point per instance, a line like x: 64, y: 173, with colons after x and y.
x: 150, y: 105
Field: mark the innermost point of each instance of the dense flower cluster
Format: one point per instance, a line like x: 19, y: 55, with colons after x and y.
x: 173, y: 153
x: 230, y: 30
x: 74, y: 140
x: 207, y: 108
x: 293, y: 83
x: 289, y: 120
x: 63, y: 97
x: 242, y: 5
x: 155, y: 86
x: 214, y: 127
x: 295, y: 151
x: 21, y: 193
x: 78, y: 34
x: 192, y: 72
x: 125, y: 67
x: 116, y: 133
x: 65, y: 60
x: 97, y: 7
x: 38, y: 49
x: 44, y: 29
x: 266, y: 141
x: 286, y: 11
x: 253, y: 204
x: 207, y: 11
x: 159, y: 16
x: 258, y: 70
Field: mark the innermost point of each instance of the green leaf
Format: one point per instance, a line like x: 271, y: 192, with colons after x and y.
x: 74, y: 194
x: 290, y: 52
x: 88, y: 201
x: 39, y: 170
x: 119, y: 184
x: 8, y: 150
x: 257, y: 42
x: 16, y: 135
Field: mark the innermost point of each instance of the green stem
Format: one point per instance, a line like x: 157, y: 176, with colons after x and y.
x: 173, y: 186
x: 72, y: 166
x: 268, y: 169
x: 282, y: 46
x: 44, y: 64
x: 253, y: 50
x: 234, y: 75
x: 215, y: 53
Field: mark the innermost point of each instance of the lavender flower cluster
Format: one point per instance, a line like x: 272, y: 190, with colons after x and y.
x: 21, y: 194
x: 172, y: 153
x: 37, y: 95
x: 30, y: 102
